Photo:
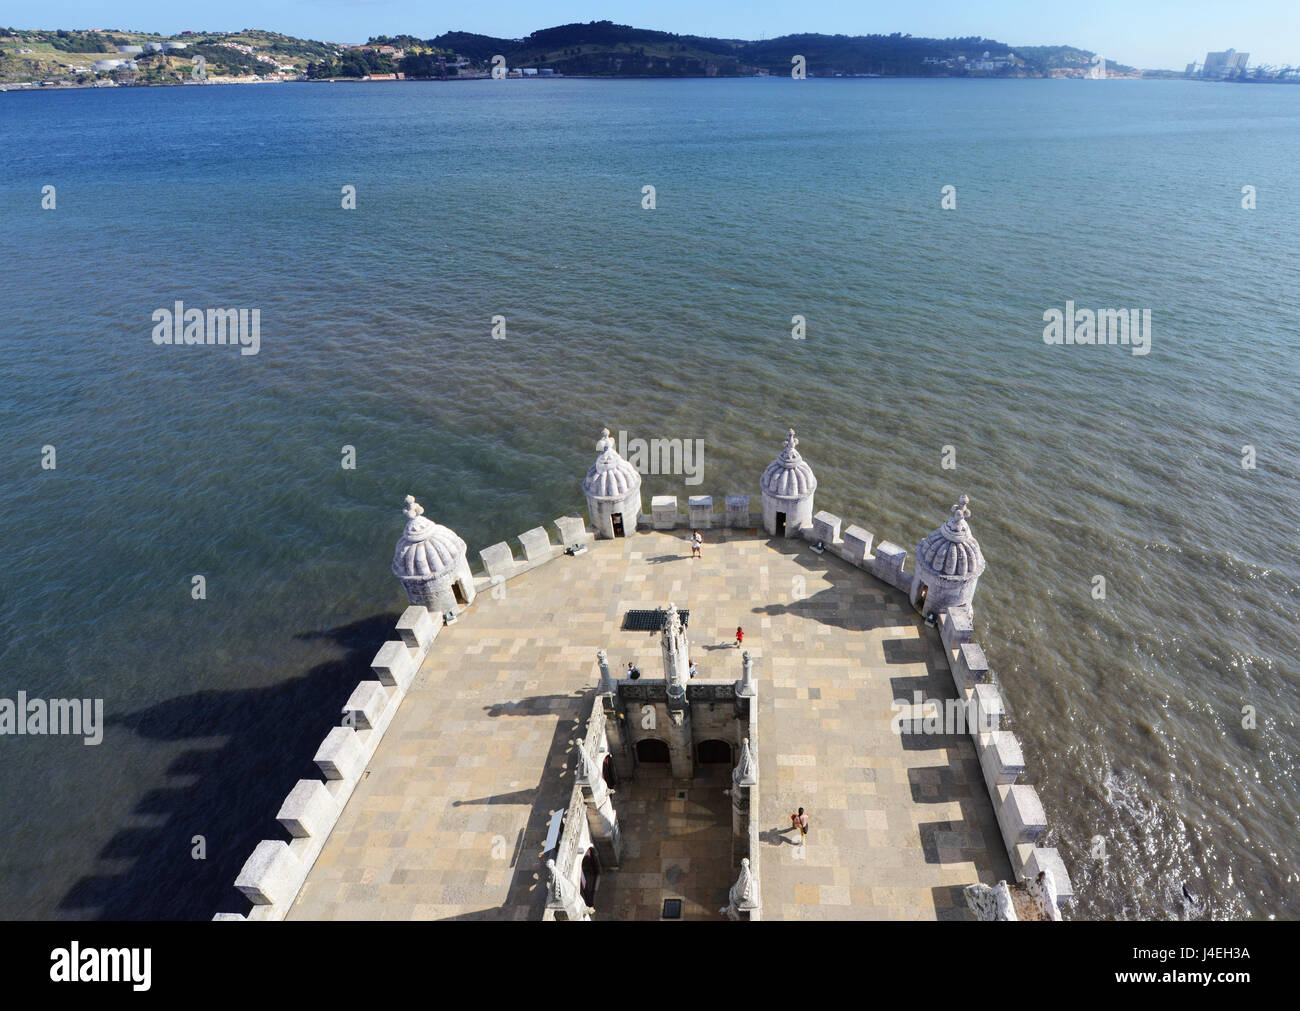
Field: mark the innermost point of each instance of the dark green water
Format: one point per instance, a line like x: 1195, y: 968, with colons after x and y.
x: 774, y: 198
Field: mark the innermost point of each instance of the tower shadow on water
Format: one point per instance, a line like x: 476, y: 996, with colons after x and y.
x: 228, y: 794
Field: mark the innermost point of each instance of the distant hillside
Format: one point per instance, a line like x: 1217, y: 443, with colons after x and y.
x: 594, y: 49
x: 602, y: 48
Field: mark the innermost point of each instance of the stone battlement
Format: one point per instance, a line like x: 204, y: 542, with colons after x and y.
x: 274, y: 874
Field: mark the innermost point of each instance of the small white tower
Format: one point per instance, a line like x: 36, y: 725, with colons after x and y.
x: 788, y: 485
x: 613, y: 490
x: 430, y: 561
x: 948, y: 564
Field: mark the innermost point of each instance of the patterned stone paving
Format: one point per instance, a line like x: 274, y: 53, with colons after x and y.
x: 451, y: 816
x: 673, y: 848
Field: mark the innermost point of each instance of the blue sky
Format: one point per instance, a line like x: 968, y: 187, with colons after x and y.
x: 1145, y: 33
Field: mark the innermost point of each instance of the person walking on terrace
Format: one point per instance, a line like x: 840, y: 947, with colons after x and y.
x: 740, y: 636
x: 800, y: 821
x: 697, y: 542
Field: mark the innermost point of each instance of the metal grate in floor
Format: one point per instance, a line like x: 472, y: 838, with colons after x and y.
x: 650, y: 621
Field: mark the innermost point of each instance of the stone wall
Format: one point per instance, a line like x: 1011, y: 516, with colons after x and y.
x: 1021, y: 819
x: 276, y: 870
x: 274, y: 874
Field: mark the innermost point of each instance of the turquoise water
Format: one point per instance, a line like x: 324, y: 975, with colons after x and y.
x: 774, y: 198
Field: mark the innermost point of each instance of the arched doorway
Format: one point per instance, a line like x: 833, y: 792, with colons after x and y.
x: 713, y: 753
x: 651, y: 750
x: 590, y: 872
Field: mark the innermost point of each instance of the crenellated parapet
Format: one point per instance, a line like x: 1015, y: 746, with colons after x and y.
x: 431, y: 562
x: 943, y: 584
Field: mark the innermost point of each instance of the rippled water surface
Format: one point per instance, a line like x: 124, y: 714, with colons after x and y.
x: 523, y: 199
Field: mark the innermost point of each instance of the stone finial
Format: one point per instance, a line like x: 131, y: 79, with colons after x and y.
x: 605, y: 442
x: 413, y: 508
x: 960, y: 514
x: 560, y: 890
x: 747, y: 675
x: 790, y: 440
x: 744, y: 893
x: 1042, y: 890
x: 746, y: 771
x: 990, y: 903
x: 672, y: 620
x: 585, y: 770
x: 606, y: 685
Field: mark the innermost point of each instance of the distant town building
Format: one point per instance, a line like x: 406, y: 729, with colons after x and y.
x: 1226, y: 64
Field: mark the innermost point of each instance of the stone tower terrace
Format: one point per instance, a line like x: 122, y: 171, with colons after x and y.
x: 451, y: 816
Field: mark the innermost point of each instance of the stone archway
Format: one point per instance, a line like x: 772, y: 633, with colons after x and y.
x: 713, y: 752
x: 590, y: 872
x: 652, y: 751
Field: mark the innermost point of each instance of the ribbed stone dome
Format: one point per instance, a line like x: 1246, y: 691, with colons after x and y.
x: 789, y: 475
x: 952, y: 549
x: 426, y: 549
x: 610, y: 476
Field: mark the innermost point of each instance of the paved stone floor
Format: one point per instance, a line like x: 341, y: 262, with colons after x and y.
x: 451, y: 816
x: 673, y: 847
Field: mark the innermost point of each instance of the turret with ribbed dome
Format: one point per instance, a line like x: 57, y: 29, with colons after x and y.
x: 788, y: 485
x: 431, y: 562
x: 613, y: 490
x: 948, y: 563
